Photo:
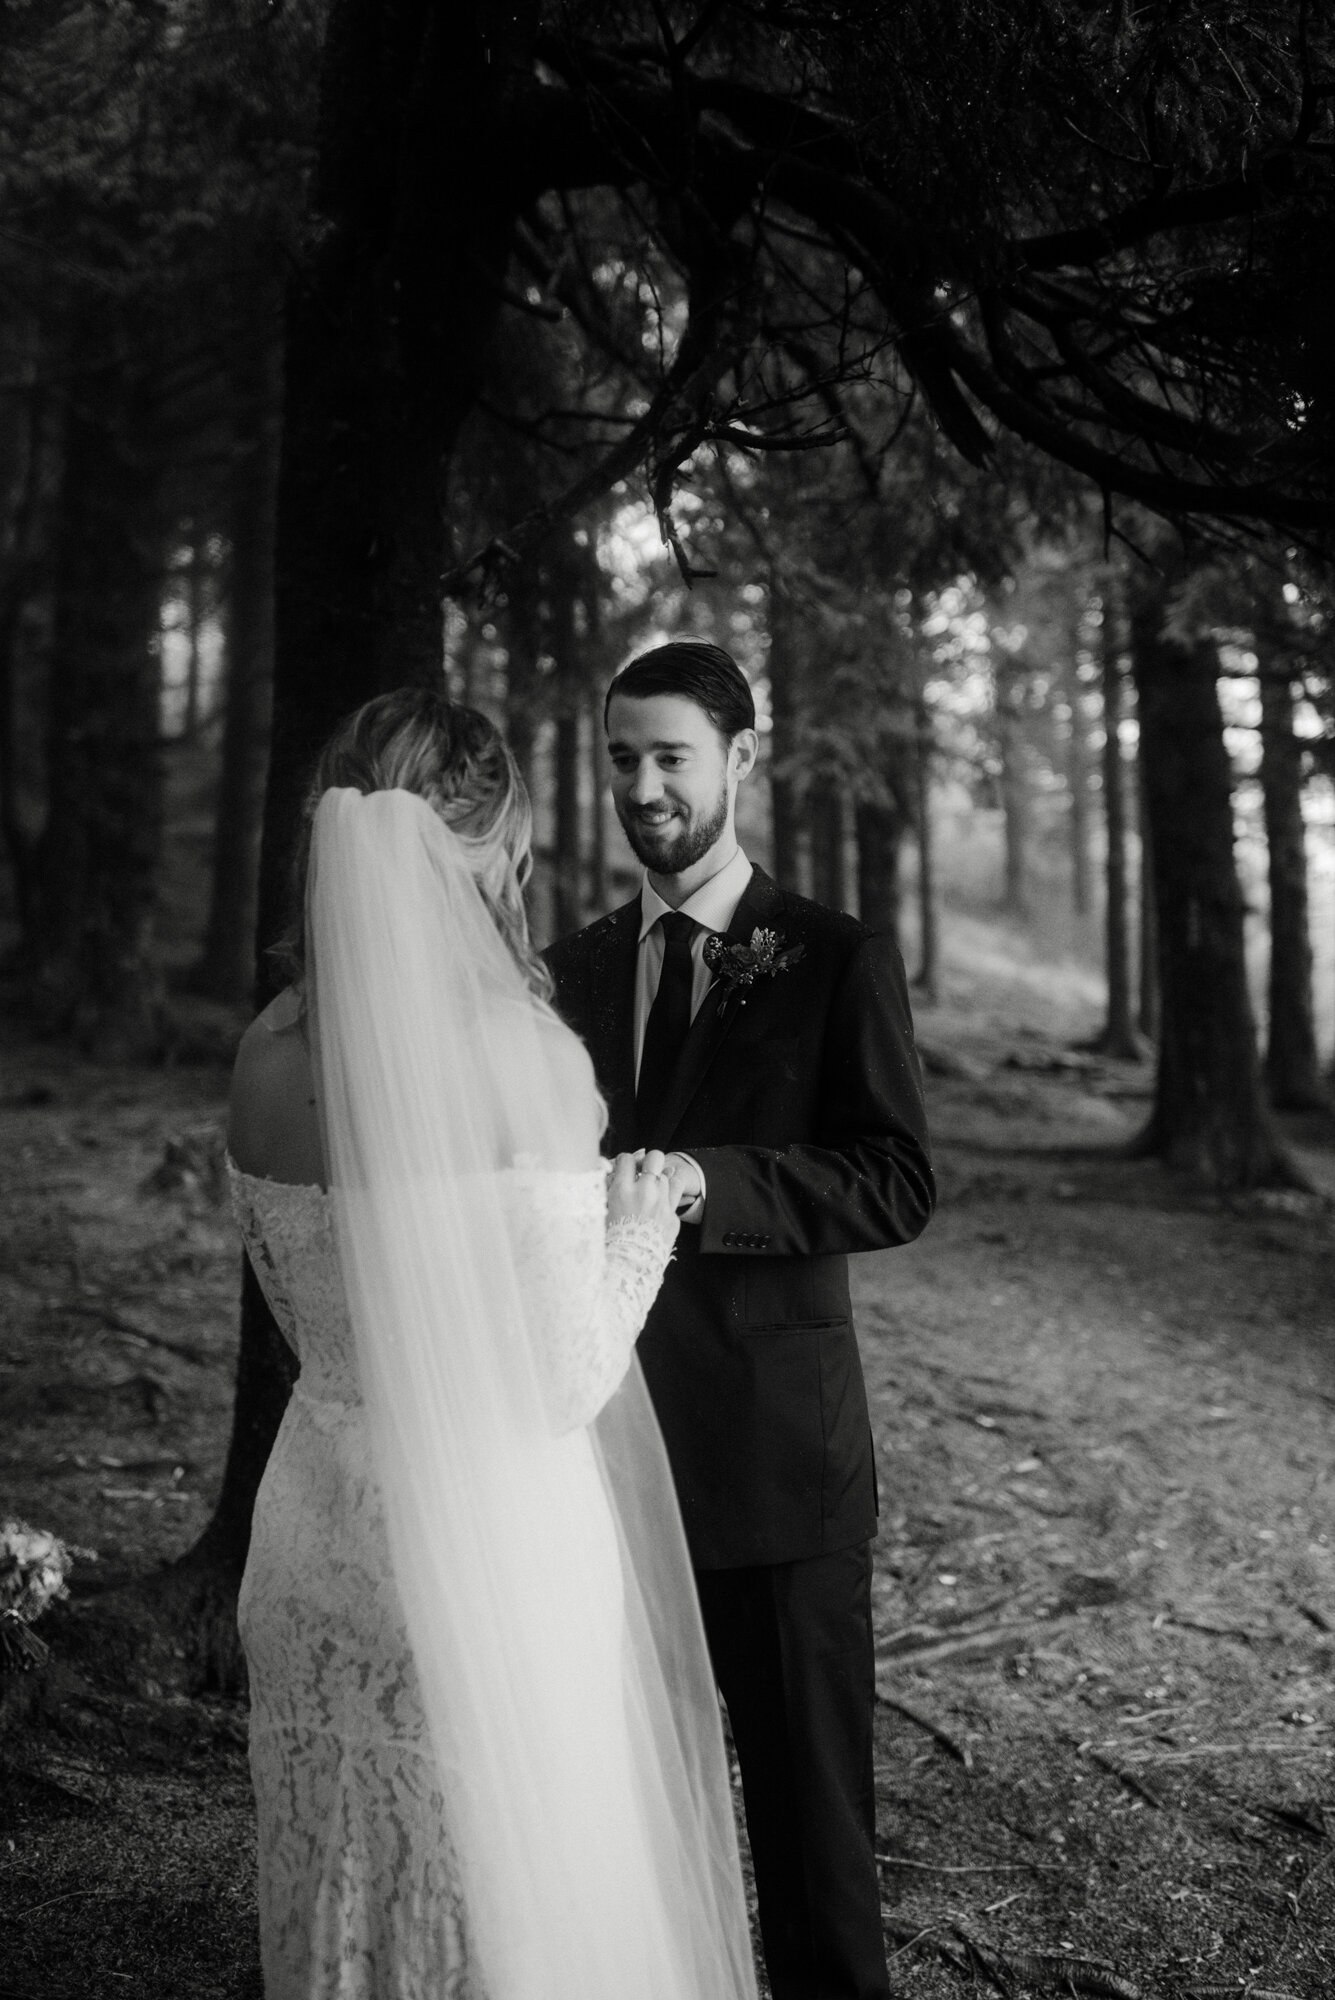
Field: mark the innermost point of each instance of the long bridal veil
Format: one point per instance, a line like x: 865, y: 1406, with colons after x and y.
x: 544, y: 1577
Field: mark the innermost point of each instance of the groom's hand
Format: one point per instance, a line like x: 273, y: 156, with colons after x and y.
x: 688, y: 1187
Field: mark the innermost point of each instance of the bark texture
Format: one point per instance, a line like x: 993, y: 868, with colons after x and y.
x: 27, y: 452
x: 1119, y: 1037
x: 1210, y: 1112
x: 1147, y: 998
x: 880, y: 837
x: 227, y: 965
x: 829, y: 862
x: 927, y: 979
x: 1077, y: 783
x: 100, y: 976
x: 1013, y: 783
x: 784, y: 811
x: 1292, y: 1065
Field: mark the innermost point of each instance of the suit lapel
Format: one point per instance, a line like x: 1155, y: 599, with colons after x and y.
x: 612, y: 1016
x: 708, y: 1031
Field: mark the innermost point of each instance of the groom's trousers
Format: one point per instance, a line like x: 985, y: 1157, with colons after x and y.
x: 791, y: 1645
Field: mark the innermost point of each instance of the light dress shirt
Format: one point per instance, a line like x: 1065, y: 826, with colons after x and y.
x: 713, y: 906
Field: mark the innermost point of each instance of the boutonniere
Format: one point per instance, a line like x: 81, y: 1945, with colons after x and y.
x: 739, y: 966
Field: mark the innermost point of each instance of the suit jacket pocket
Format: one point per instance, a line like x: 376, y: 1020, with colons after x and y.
x: 795, y: 1293
x: 794, y: 1326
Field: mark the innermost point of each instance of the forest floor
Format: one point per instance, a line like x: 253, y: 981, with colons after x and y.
x: 1105, y: 1585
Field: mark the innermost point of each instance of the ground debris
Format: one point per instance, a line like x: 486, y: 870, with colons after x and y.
x: 933, y: 1729
x: 1238, y: 1989
x: 1050, y: 1972
x: 1056, y: 1974
x: 193, y: 1165
x: 1128, y: 1778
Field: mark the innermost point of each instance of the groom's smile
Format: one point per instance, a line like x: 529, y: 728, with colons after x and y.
x: 673, y: 780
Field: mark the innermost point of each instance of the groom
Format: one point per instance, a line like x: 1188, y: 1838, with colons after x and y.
x: 764, y: 1042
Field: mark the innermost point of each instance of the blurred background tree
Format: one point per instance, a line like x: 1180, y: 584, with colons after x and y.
x: 962, y: 367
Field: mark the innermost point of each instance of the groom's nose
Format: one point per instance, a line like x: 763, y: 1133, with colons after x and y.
x: 647, y: 784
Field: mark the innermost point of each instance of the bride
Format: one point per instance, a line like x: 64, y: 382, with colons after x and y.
x: 485, y: 1740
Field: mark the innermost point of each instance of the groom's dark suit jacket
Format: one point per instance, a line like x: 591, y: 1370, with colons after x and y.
x: 804, y: 1109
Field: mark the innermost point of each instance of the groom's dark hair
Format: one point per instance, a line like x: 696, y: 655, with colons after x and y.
x: 703, y: 673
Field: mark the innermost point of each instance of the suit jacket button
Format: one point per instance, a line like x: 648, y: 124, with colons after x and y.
x: 728, y: 1239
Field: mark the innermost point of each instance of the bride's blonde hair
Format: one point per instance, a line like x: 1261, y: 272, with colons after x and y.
x: 417, y: 740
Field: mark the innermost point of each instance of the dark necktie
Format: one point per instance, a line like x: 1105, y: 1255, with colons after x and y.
x: 669, y: 1018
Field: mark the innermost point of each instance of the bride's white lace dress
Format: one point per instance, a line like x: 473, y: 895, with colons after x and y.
x: 358, y: 1880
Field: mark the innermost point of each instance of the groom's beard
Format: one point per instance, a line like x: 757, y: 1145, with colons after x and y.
x: 675, y: 844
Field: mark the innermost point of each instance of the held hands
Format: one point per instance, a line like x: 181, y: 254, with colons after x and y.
x: 687, y: 1186
x: 639, y: 1190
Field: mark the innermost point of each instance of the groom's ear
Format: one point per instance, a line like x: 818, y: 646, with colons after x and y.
x: 742, y: 753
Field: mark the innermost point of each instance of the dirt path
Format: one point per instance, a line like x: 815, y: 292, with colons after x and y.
x: 1106, y: 1571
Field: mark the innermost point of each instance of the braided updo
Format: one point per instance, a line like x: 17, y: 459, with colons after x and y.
x: 417, y: 740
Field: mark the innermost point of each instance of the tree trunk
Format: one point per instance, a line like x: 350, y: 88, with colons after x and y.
x: 1292, y: 1065
x: 569, y: 901
x: 1014, y: 786
x: 568, y: 871
x: 100, y: 974
x: 1077, y: 782
x: 194, y: 618
x: 226, y: 970
x: 27, y: 451
x: 387, y: 336
x: 1119, y: 1037
x: 829, y: 867
x: 784, y: 810
x: 928, y: 976
x: 1210, y: 1113
x: 599, y: 874
x: 879, y: 837
x: 1147, y: 1002
x: 523, y: 680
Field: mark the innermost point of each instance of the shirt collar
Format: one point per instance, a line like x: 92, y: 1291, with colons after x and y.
x: 713, y: 904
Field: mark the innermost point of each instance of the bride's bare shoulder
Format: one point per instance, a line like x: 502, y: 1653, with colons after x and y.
x: 271, y: 1123
x: 273, y: 1043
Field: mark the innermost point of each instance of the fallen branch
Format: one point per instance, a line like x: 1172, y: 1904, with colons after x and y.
x: 972, y: 1868
x: 961, y: 1751
x: 67, y: 1896
x: 1290, y: 1749
x: 1070, y: 1975
x: 910, y: 1938
x: 1049, y: 1971
x: 918, y: 1937
x: 1125, y: 1777
x: 116, y: 1322
x: 988, y: 1639
x: 1239, y: 1990
x: 1248, y: 1638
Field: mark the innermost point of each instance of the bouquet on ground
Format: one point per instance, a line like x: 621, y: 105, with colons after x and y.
x: 33, y: 1568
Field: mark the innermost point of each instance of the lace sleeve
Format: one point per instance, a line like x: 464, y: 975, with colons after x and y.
x: 587, y: 1287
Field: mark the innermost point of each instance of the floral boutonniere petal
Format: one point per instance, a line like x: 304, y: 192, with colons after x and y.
x: 739, y: 966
